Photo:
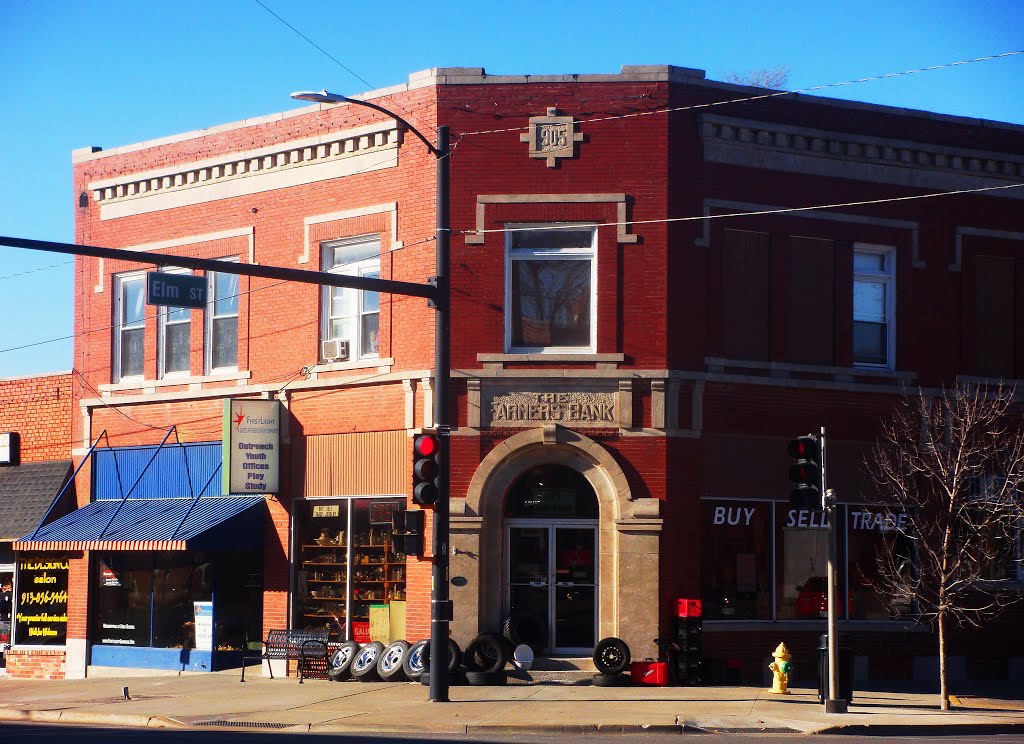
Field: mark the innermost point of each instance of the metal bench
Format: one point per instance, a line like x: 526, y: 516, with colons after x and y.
x: 308, y: 647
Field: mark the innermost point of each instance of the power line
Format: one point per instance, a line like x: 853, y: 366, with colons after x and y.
x: 773, y: 94
x: 33, y: 271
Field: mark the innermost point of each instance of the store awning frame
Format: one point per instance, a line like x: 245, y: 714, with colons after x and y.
x: 138, y: 524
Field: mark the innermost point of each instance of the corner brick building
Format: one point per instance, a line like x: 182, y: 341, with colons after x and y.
x: 639, y: 325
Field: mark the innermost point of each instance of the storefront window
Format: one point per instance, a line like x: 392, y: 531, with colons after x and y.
x: 870, y: 531
x: 147, y: 599
x: 801, y: 563
x: 736, y: 543
x: 41, y: 604
x: 350, y: 575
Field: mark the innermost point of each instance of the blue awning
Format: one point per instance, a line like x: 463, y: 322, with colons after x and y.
x: 140, y: 524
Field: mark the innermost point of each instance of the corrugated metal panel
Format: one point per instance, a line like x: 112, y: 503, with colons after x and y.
x: 177, y: 470
x: 359, y: 464
x: 139, y: 524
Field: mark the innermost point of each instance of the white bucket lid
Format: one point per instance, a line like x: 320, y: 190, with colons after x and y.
x: 522, y: 653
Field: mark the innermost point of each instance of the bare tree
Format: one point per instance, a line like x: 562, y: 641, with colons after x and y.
x: 774, y: 78
x: 953, y: 463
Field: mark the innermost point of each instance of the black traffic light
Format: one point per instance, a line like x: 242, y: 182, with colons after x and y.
x: 426, y: 467
x: 407, y: 532
x: 805, y: 472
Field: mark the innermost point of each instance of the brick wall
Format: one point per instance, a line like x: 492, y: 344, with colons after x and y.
x: 39, y: 409
x: 35, y: 664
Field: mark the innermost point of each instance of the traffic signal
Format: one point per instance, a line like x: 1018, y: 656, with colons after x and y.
x: 407, y: 532
x: 805, y: 472
x: 426, y: 467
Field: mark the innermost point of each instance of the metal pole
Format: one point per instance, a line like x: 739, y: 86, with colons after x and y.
x: 832, y: 703
x: 440, y: 605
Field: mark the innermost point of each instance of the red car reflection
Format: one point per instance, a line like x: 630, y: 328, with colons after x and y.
x: 813, y: 599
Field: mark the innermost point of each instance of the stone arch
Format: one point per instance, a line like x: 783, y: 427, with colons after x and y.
x: 477, y: 533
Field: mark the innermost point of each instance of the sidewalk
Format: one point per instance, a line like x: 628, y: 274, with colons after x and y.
x: 321, y: 706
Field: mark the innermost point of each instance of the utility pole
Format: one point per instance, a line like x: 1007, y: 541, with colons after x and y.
x: 833, y: 703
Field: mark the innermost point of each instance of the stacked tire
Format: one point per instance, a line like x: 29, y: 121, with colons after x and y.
x: 485, y: 659
x: 454, y: 660
x: 612, y: 658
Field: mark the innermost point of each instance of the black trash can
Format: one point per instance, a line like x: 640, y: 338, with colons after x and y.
x: 845, y: 671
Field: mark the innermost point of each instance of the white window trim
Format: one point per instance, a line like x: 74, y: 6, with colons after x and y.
x: 887, y: 278
x: 210, y: 317
x: 161, y: 335
x: 551, y: 255
x: 356, y: 268
x: 119, y: 281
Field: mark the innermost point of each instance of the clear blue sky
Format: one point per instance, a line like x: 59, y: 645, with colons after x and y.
x: 75, y: 74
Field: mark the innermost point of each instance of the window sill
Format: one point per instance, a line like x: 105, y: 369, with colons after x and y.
x: 141, y: 384
x: 554, y: 357
x: 385, y: 363
x: 802, y: 371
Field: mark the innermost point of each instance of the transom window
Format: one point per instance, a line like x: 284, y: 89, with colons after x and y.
x: 550, y: 278
x: 874, y: 305
x: 175, y: 330
x: 129, y: 325
x: 350, y: 314
x: 222, y: 320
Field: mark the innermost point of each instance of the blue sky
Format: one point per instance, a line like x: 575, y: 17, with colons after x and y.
x: 111, y: 73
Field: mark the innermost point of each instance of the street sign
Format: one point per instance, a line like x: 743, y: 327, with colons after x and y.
x: 175, y: 290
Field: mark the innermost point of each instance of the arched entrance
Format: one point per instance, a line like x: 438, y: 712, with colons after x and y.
x: 551, y: 540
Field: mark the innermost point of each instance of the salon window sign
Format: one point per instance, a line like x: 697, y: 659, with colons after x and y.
x: 252, y: 446
x: 41, y: 617
x: 203, y: 625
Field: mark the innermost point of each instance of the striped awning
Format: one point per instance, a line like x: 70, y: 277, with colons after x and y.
x: 138, y: 524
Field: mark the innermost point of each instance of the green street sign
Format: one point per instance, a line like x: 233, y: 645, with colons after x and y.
x: 175, y: 290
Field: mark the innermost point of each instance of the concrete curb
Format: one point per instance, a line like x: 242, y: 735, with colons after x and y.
x: 88, y: 718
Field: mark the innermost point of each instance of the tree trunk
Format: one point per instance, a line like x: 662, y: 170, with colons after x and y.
x: 943, y: 681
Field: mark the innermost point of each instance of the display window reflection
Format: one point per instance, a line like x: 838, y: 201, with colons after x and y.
x: 147, y: 599
x: 736, y: 544
x: 873, y: 531
x: 801, y: 563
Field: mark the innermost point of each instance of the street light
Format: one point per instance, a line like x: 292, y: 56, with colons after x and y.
x: 440, y: 603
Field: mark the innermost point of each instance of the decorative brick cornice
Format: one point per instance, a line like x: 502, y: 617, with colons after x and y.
x: 250, y: 171
x: 761, y: 144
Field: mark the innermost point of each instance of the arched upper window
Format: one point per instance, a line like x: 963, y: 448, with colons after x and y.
x: 552, y: 491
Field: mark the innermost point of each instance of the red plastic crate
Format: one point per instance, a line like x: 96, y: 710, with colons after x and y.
x: 689, y: 608
x: 652, y: 673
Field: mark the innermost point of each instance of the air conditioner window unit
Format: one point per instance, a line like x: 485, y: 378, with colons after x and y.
x: 334, y: 350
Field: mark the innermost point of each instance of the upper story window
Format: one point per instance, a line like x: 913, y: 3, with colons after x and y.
x: 174, y: 334
x: 550, y: 298
x: 129, y: 325
x: 874, y: 306
x: 222, y: 320
x: 352, y: 315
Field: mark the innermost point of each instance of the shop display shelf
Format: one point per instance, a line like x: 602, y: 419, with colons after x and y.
x: 321, y: 563
x: 331, y: 546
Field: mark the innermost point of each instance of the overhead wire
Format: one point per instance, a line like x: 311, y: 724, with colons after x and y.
x: 773, y: 94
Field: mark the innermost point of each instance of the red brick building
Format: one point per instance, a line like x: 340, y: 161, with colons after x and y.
x: 644, y: 313
x: 35, y: 465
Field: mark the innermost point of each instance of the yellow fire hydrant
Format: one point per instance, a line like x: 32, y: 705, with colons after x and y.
x: 780, y: 670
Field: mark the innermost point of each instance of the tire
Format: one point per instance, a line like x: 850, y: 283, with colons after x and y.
x: 413, y: 663
x: 486, y: 653
x: 339, y: 666
x: 611, y: 680
x: 454, y: 656
x: 389, y: 664
x: 364, y: 665
x: 522, y: 627
x: 481, y: 679
x: 611, y: 656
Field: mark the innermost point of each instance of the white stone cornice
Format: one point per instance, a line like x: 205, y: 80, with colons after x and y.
x: 292, y: 163
x: 762, y: 144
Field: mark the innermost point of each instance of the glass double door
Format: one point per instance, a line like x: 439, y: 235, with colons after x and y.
x: 551, y: 575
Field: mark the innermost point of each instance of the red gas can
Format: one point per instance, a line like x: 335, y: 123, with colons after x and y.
x: 689, y: 608
x: 649, y: 672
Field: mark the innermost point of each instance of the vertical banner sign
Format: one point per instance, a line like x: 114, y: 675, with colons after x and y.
x: 252, y: 446
x: 204, y: 625
x: 42, y: 601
